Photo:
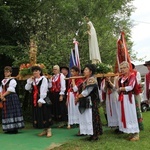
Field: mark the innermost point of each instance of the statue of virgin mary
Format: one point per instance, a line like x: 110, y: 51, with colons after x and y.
x: 93, y: 43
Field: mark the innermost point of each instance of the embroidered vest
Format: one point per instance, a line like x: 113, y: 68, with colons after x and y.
x: 138, y: 86
x: 56, y: 85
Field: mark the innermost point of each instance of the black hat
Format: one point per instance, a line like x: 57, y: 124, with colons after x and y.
x: 91, y: 67
x: 147, y: 63
x: 64, y: 67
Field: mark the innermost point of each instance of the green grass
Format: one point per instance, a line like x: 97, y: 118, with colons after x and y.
x: 66, y: 140
x: 111, y: 141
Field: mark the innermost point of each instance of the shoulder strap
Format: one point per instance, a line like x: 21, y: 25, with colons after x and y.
x: 40, y: 82
x: 9, y: 80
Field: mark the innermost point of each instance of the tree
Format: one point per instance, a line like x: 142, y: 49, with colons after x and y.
x: 54, y: 24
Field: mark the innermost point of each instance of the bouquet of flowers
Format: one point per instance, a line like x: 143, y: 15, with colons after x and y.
x: 103, y: 68
x: 25, y: 69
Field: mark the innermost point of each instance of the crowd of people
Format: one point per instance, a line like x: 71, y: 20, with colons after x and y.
x: 76, y: 100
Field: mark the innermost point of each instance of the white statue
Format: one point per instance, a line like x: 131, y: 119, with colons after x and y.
x: 93, y: 43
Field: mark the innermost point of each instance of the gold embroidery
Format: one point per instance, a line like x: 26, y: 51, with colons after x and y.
x: 91, y: 80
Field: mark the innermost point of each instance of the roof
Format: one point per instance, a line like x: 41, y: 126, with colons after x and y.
x: 142, y: 69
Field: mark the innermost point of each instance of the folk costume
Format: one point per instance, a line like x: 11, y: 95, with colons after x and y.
x: 103, y: 98
x: 57, y: 87
x: 138, y: 96
x: 147, y: 82
x: 39, y: 89
x: 111, y: 103
x: 89, y: 118
x: 63, y: 107
x: 73, y: 111
x: 147, y: 87
x: 12, y: 118
x: 128, y: 122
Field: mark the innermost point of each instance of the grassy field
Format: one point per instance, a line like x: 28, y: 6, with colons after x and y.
x: 111, y: 141
x: 66, y: 139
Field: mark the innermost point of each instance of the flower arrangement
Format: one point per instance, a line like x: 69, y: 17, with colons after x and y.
x: 103, y: 68
x: 25, y: 69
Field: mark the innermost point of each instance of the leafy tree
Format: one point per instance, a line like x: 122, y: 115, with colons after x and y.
x: 55, y: 23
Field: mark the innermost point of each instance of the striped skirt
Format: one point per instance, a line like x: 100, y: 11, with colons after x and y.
x: 12, y: 118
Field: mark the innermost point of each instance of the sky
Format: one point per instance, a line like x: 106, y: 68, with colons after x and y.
x: 141, y: 30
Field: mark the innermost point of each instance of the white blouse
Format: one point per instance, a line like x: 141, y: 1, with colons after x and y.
x: 11, y: 86
x: 129, y: 87
x: 43, y: 87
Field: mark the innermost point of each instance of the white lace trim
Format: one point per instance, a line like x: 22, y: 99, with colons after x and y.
x: 132, y: 127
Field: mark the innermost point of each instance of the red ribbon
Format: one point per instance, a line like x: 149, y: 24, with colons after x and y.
x: 123, y: 119
x: 35, y: 95
x: 109, y: 92
x: 4, y: 102
x: 130, y: 96
x: 68, y: 96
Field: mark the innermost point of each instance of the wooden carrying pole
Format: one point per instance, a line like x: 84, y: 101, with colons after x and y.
x: 97, y: 76
x: 80, y: 77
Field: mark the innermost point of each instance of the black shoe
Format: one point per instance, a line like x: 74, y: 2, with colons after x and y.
x: 120, y: 132
x: 101, y: 133
x: 79, y: 134
x: 93, y: 138
x: 12, y: 132
x: 117, y: 131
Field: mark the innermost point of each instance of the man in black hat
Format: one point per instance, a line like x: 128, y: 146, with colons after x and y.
x: 64, y: 70
x: 63, y: 108
x: 147, y: 82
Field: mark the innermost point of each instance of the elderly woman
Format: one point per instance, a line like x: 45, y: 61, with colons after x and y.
x: 38, y: 85
x: 89, y: 118
x: 57, y: 91
x: 127, y: 84
x: 12, y: 118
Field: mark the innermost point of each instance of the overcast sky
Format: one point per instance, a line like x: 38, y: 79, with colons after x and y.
x: 141, y: 31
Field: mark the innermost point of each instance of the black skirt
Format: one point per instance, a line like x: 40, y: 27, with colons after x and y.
x: 59, y: 108
x: 42, y: 116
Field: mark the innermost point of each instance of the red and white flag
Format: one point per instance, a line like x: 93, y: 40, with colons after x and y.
x: 74, y: 58
x: 122, y: 53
